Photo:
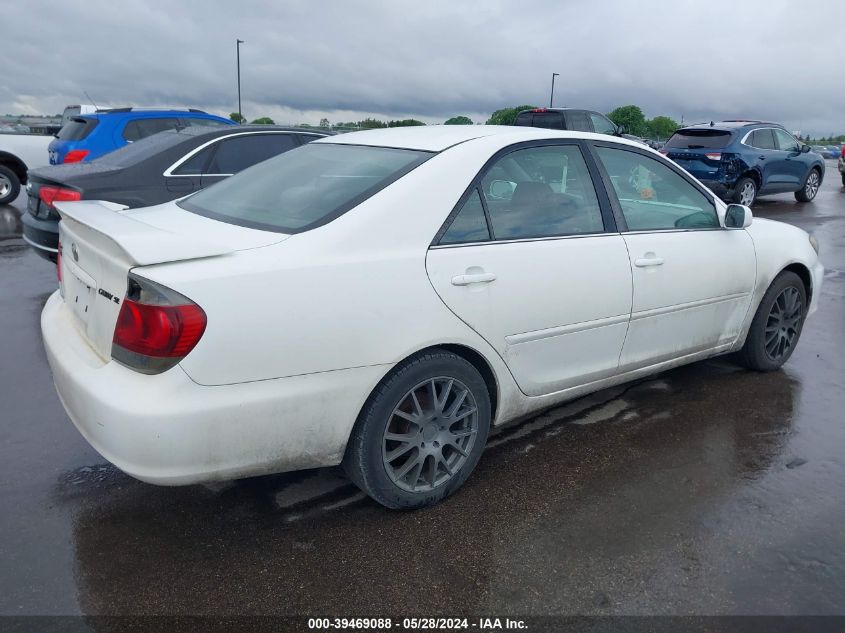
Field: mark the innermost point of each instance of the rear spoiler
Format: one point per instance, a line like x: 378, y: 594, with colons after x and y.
x: 113, y: 231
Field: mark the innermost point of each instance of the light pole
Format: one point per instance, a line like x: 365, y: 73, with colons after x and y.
x: 552, y: 97
x: 238, y: 54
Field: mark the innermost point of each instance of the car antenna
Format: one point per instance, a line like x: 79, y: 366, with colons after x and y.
x: 90, y: 99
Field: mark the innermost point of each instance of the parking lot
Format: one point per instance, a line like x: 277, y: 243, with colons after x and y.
x: 705, y: 490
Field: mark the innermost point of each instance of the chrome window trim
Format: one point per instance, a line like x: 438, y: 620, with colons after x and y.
x: 168, y: 173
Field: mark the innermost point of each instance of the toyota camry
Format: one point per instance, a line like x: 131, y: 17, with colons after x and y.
x: 381, y: 299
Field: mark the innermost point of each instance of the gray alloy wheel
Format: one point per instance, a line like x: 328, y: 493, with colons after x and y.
x: 745, y: 192
x: 810, y: 188
x: 777, y: 324
x: 430, y: 434
x: 421, y: 432
x: 10, y: 186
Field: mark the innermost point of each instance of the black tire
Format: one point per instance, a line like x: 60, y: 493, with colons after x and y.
x: 810, y: 186
x: 367, y: 452
x: 754, y: 353
x: 740, y: 193
x: 10, y: 185
x: 843, y: 178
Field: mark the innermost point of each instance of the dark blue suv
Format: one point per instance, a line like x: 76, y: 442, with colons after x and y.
x: 740, y: 160
x: 89, y: 136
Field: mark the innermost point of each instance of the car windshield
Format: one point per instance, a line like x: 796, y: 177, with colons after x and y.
x: 304, y: 188
x: 699, y: 139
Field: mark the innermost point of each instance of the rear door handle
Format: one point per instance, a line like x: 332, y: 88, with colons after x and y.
x: 642, y: 262
x: 474, y: 278
x: 762, y: 157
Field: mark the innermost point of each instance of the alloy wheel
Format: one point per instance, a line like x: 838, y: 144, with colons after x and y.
x: 430, y: 434
x: 747, y: 193
x: 784, y: 323
x: 5, y: 186
x: 812, y: 186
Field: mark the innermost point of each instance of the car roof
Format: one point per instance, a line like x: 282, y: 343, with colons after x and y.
x: 145, y: 114
x: 730, y: 125
x: 436, y: 138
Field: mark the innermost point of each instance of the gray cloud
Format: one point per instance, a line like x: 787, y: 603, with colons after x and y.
x: 393, y: 59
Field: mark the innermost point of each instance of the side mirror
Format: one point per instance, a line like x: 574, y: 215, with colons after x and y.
x: 738, y: 216
x: 805, y: 149
x: 620, y: 130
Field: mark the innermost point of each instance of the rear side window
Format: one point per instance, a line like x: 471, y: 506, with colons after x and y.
x: 578, y: 120
x: 469, y: 225
x: 238, y: 153
x: 142, y: 128
x: 699, y: 139
x: 202, y: 122
x: 196, y: 164
x: 762, y: 139
x: 304, y: 188
x: 77, y: 128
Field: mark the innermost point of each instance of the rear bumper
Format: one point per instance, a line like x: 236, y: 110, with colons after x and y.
x: 166, y: 429
x: 41, y: 235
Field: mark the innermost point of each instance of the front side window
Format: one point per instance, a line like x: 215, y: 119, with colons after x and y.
x: 602, y: 125
x: 579, y: 121
x: 469, y: 225
x: 787, y: 142
x: 303, y: 188
x: 653, y: 196
x: 762, y: 139
x: 541, y: 192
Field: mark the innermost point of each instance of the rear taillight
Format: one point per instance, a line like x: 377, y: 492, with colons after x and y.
x: 50, y: 194
x: 156, y: 327
x: 76, y: 155
x: 59, y: 262
x: 665, y: 152
x: 713, y: 155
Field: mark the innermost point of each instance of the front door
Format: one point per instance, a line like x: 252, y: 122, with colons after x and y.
x: 692, y: 278
x: 527, y: 263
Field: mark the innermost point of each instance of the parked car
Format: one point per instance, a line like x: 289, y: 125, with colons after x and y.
x: 380, y: 299
x: 741, y: 160
x: 824, y: 151
x: 841, y: 164
x: 89, y: 136
x: 162, y: 167
x: 574, y: 119
x: 18, y: 154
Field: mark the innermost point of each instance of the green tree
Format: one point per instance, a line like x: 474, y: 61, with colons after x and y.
x: 265, y: 120
x: 507, y: 116
x: 662, y: 127
x: 631, y: 117
x: 369, y: 124
x: 404, y: 123
x: 458, y: 120
x: 324, y: 122
x: 237, y: 117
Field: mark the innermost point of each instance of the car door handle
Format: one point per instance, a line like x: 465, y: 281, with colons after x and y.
x: 642, y: 262
x: 473, y: 278
x: 761, y: 157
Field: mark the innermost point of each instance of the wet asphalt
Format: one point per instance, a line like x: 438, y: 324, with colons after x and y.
x: 704, y: 490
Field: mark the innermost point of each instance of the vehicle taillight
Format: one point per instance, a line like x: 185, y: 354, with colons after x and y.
x: 713, y: 155
x: 59, y: 262
x: 50, y: 194
x: 76, y: 155
x: 665, y: 152
x: 156, y: 327
x: 539, y: 110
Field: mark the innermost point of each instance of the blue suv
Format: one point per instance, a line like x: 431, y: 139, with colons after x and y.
x: 740, y: 160
x: 89, y: 136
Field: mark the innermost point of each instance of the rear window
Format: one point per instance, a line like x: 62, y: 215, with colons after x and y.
x: 548, y: 120
x: 699, y: 139
x: 304, y: 188
x: 77, y: 128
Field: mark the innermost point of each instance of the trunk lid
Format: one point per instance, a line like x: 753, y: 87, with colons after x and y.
x: 101, y: 242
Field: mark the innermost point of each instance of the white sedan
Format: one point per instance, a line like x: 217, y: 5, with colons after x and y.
x: 381, y: 299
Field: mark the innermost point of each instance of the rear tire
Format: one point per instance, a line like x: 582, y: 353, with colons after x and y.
x: 777, y: 324
x: 745, y: 191
x: 421, y: 432
x: 10, y: 185
x: 843, y: 179
x: 810, y: 187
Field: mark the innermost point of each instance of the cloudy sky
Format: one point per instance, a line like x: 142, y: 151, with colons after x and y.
x: 345, y: 60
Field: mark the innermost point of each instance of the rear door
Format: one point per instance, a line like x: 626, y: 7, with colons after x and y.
x: 236, y: 153
x: 768, y: 157
x: 692, y: 279
x: 530, y: 259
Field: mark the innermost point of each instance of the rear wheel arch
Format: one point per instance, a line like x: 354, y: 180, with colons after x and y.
x: 755, y: 175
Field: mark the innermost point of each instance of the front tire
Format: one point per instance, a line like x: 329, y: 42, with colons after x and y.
x: 745, y: 191
x: 777, y: 324
x: 10, y: 185
x: 810, y: 187
x: 421, y: 432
